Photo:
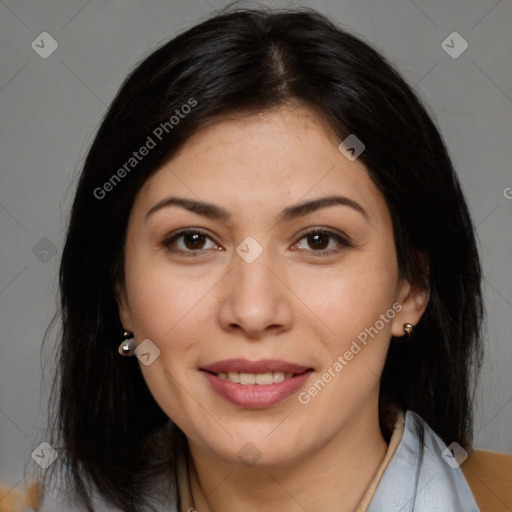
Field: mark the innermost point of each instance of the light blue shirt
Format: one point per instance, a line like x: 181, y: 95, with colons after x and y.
x: 417, y: 479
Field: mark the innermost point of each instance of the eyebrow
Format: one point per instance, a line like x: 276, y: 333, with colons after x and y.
x: 290, y: 213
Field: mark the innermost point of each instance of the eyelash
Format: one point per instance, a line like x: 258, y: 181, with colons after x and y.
x: 167, y: 243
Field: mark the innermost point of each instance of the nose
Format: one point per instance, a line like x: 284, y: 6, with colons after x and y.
x: 255, y: 299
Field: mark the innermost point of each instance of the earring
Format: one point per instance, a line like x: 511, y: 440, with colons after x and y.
x: 408, y: 329
x: 127, y: 347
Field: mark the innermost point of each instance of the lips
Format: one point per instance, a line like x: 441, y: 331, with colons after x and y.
x: 255, y: 384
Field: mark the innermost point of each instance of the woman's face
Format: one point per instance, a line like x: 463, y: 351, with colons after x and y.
x: 252, y: 294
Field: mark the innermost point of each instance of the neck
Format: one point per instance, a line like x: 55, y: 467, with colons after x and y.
x: 339, y: 471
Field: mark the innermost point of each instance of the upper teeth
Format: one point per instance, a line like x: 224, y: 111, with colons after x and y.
x: 263, y: 379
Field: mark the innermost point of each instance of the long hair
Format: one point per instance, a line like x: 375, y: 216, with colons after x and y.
x: 246, y: 61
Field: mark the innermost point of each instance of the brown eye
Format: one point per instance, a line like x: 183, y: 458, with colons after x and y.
x: 189, y: 242
x: 324, y: 242
x: 318, y: 240
x: 194, y: 240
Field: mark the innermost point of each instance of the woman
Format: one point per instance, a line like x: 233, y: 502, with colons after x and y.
x: 270, y: 286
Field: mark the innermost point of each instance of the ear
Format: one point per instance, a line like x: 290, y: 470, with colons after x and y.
x: 122, y: 305
x: 414, y: 300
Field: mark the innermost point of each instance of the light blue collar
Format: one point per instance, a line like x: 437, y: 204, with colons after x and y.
x: 418, y: 479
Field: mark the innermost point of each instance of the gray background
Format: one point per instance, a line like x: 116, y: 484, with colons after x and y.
x: 50, y: 109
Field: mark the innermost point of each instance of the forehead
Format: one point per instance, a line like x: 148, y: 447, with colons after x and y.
x: 275, y: 157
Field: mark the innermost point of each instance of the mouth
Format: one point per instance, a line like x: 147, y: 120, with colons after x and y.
x: 262, y: 366
x: 255, y: 384
x: 261, y: 379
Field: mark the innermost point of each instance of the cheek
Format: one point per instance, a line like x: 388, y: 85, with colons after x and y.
x: 173, y: 308
x: 160, y: 297
x: 355, y: 348
x: 169, y: 309
x: 349, y: 299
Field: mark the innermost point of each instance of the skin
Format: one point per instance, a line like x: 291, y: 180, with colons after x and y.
x: 294, y: 302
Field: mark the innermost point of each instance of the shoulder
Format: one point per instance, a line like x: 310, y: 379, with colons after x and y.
x: 423, y: 475
x: 51, y: 496
x: 154, y: 486
x: 489, y: 475
x: 56, y: 495
x: 12, y: 500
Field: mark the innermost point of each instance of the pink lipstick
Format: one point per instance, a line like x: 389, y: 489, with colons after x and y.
x: 255, y: 384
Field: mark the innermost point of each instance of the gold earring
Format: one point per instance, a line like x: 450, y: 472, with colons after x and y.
x: 408, y: 329
x: 127, y: 347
